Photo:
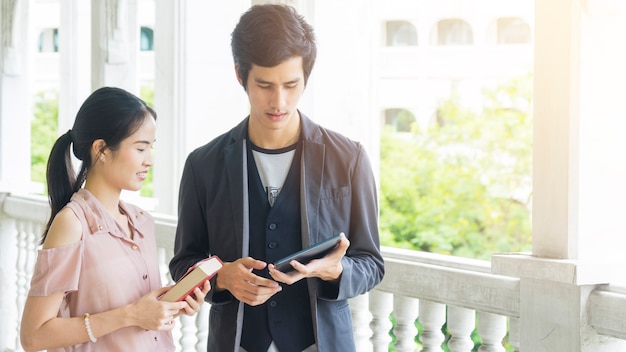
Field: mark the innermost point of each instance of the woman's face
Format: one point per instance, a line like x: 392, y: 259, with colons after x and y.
x: 129, y: 164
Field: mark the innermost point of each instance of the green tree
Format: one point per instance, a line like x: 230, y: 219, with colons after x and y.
x: 44, y: 132
x: 462, y: 186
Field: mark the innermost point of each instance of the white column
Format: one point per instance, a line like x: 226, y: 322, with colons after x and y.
x: 75, y: 54
x: 169, y: 48
x: 115, y: 44
x: 197, y: 96
x: 15, y: 102
x: 578, y: 174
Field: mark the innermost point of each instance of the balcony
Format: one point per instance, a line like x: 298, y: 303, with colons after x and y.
x: 463, y: 294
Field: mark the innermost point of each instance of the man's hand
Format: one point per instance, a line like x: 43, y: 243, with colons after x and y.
x: 238, y: 279
x: 328, y: 268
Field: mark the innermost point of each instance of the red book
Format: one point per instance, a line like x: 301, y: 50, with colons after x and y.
x: 194, y: 277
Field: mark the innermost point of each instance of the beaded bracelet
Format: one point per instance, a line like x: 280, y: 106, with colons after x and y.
x: 88, y: 326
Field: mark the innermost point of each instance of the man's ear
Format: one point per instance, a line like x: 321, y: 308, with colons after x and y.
x: 239, y: 79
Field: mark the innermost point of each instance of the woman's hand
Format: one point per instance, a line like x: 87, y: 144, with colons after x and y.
x: 151, y: 314
x: 196, y: 299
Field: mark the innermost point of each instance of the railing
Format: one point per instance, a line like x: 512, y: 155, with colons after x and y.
x: 433, y: 290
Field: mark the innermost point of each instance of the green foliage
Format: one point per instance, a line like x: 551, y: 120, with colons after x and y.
x: 44, y: 132
x: 147, y: 187
x: 461, y: 186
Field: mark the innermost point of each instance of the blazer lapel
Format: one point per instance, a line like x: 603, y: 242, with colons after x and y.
x: 311, y: 171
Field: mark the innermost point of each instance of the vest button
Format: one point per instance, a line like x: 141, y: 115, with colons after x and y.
x: 272, y: 245
x: 273, y: 304
x: 272, y: 226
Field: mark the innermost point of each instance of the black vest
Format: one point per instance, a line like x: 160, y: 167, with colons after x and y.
x: 275, y: 233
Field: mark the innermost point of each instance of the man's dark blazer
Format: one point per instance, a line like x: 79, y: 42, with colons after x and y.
x: 338, y: 194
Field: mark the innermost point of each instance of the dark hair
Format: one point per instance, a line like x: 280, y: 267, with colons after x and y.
x: 110, y: 114
x: 269, y: 34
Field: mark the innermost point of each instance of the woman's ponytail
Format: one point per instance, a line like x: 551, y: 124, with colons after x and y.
x: 60, y: 176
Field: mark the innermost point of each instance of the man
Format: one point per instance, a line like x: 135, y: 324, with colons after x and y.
x: 272, y: 185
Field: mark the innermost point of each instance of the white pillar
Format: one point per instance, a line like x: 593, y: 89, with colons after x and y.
x: 115, y: 44
x: 15, y: 102
x: 75, y: 54
x: 169, y: 48
x: 577, y: 174
x: 196, y: 96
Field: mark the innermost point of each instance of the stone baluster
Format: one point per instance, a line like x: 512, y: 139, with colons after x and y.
x: 32, y: 244
x: 514, y: 333
x: 461, y: 323
x: 432, y: 316
x: 381, y: 306
x: 202, y: 323
x: 22, y: 273
x: 405, y: 310
x: 360, y: 322
x: 492, y: 329
x: 164, y: 269
x: 188, y: 332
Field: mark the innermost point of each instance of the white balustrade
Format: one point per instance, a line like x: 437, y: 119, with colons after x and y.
x: 432, y: 289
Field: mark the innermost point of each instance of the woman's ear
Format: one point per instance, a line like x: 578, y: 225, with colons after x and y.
x: 98, y: 150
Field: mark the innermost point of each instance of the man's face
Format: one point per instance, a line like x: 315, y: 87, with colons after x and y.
x: 274, y: 93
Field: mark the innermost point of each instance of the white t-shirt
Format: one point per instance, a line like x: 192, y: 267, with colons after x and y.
x: 273, y: 169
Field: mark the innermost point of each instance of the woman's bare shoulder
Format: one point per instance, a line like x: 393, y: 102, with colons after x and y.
x: 65, y: 229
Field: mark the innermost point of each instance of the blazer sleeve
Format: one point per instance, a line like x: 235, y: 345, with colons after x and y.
x: 192, y: 242
x: 363, y: 264
x: 191, y: 239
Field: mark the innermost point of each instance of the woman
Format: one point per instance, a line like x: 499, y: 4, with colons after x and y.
x: 96, y: 281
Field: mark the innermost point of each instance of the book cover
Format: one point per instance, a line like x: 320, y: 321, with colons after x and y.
x: 194, y: 277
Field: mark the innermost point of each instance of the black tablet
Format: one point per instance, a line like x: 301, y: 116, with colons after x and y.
x: 304, y: 256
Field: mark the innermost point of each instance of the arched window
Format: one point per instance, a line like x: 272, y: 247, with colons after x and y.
x: 401, y: 33
x: 146, y: 41
x: 399, y: 119
x: 49, y: 40
x: 513, y: 30
x: 454, y: 32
